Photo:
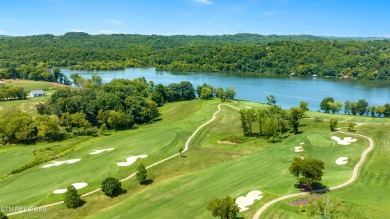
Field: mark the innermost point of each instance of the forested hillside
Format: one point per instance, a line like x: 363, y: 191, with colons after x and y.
x: 303, y: 55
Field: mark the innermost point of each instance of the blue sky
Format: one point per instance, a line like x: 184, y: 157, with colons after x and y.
x: 190, y: 17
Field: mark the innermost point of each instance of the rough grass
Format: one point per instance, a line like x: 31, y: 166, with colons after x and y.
x: 182, y: 187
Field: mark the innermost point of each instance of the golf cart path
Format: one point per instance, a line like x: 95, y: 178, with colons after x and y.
x: 186, y: 147
x: 348, y: 182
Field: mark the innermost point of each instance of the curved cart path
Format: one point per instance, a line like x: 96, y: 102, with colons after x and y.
x: 351, y: 180
x: 186, y: 147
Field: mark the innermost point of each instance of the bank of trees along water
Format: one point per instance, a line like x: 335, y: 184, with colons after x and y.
x: 360, y: 107
x: 33, y: 57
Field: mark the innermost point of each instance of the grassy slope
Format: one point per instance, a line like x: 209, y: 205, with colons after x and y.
x: 158, y: 140
x: 28, y: 105
x: 215, y: 170
x: 369, y: 196
x: 187, y: 196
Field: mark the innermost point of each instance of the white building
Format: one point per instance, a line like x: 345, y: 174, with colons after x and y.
x: 37, y: 93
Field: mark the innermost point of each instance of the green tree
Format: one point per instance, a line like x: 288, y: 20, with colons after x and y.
x: 362, y: 107
x: 310, y: 170
x: 141, y: 174
x: 324, y: 104
x: 72, y: 198
x: 111, y: 186
x: 304, y: 106
x: 325, y: 206
x: 351, y: 125
x: 3, y: 216
x: 347, y: 107
x: 333, y: 123
x: 295, y: 115
x: 373, y: 110
x: 271, y: 100
x: 206, y: 93
x: 220, y: 93
x: 181, y: 150
x: 225, y: 208
x: 230, y: 93
x: 354, y: 108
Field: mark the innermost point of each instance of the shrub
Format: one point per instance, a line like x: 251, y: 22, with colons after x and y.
x: 141, y: 174
x: 224, y: 208
x: 72, y: 199
x: 3, y: 216
x: 111, y: 186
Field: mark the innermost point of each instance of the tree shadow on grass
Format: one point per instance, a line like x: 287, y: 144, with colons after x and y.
x: 147, y: 182
x: 316, y: 187
x: 118, y: 193
x: 183, y: 156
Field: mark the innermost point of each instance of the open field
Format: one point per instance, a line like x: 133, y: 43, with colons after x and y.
x: 184, y: 185
x: 28, y: 105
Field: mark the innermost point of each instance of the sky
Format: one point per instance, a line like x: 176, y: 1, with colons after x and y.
x: 343, y: 18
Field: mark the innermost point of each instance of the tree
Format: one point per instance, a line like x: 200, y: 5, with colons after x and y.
x: 141, y: 174
x: 310, y: 170
x: 362, y: 107
x: 271, y: 100
x: 304, y: 106
x: 111, y: 186
x: 206, y: 93
x: 230, y: 93
x: 225, y: 208
x: 220, y: 93
x: 324, y: 104
x: 325, y: 206
x: 181, y: 150
x: 351, y: 125
x: 335, y: 107
x: 347, y: 107
x: 373, y: 110
x: 72, y: 199
x: 354, y: 108
x: 295, y: 115
x: 333, y: 123
x: 3, y: 216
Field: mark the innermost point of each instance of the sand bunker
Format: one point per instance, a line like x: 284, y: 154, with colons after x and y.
x: 102, y: 150
x: 302, y: 157
x: 249, y: 199
x: 57, y: 163
x: 75, y: 185
x: 345, y: 141
x: 248, y: 107
x: 131, y: 160
x: 302, y: 143
x: 342, y: 160
x: 298, y: 148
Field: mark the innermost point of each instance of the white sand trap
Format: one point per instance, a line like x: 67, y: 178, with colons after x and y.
x: 302, y: 157
x: 76, y: 186
x: 101, y: 151
x: 131, y: 160
x: 302, y: 143
x: 345, y: 141
x: 298, y: 148
x: 57, y: 163
x: 249, y: 199
x: 342, y: 160
x: 248, y: 107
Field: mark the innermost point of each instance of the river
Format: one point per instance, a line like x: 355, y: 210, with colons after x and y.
x: 254, y: 87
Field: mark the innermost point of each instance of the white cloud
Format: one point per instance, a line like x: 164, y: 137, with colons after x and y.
x: 204, y: 2
x: 107, y: 31
x: 2, y: 32
x: 75, y: 30
x: 113, y: 22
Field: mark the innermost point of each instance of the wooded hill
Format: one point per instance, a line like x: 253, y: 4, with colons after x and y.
x: 303, y: 55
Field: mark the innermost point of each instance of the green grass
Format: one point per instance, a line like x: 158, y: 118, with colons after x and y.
x: 158, y: 140
x: 183, y: 186
x: 28, y: 105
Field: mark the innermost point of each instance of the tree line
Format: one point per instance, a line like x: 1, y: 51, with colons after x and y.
x: 271, y: 121
x: 11, y: 92
x: 360, y: 107
x: 25, y: 57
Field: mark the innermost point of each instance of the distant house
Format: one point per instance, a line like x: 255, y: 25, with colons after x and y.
x: 37, y: 93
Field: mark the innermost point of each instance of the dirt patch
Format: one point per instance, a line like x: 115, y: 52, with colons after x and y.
x: 228, y: 142
x: 215, y: 152
x: 58, y: 85
x: 299, y: 202
x: 1, y: 108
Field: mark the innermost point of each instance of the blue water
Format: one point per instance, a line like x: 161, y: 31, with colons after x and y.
x: 288, y: 91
